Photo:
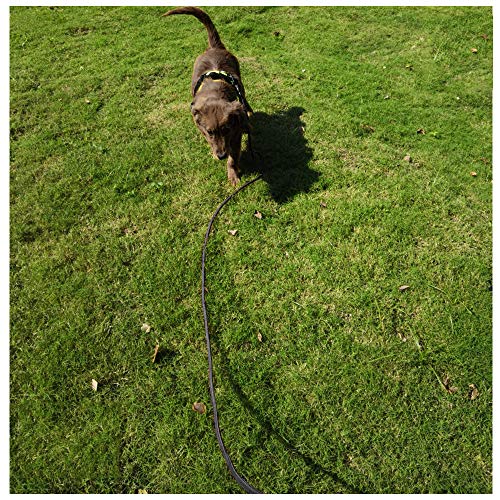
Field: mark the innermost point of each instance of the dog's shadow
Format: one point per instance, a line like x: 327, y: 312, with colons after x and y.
x: 281, y: 153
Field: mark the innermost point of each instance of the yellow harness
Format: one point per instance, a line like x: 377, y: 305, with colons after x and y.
x: 216, y: 74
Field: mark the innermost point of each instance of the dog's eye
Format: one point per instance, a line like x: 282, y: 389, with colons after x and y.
x: 210, y: 132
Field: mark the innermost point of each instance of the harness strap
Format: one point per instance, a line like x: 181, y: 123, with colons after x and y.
x: 228, y: 78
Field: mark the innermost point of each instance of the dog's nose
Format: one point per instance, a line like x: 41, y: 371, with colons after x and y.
x: 222, y: 156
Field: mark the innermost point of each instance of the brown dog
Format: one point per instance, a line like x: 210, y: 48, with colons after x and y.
x: 219, y: 107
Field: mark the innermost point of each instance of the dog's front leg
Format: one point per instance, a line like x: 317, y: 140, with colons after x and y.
x: 233, y: 173
x: 233, y: 168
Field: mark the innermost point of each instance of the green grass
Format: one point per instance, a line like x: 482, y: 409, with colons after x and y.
x: 112, y: 188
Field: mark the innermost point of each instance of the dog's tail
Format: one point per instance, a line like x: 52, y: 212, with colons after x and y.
x: 214, y: 41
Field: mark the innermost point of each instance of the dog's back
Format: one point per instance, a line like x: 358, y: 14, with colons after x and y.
x: 216, y: 57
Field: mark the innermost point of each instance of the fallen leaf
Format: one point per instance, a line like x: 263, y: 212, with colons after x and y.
x: 484, y: 36
x: 142, y: 492
x: 128, y: 231
x: 259, y: 337
x: 146, y: 328
x: 322, y: 204
x: 257, y: 214
x: 446, y: 384
x: 233, y: 232
x: 421, y: 131
x: 157, y: 348
x: 87, y: 101
x: 94, y: 384
x: 474, y: 174
x: 402, y: 288
x: 368, y: 128
x: 408, y: 158
x: 473, y: 392
x: 199, y: 408
x: 409, y: 67
x: 474, y: 51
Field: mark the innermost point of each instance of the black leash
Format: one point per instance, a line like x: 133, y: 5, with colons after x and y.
x: 239, y: 479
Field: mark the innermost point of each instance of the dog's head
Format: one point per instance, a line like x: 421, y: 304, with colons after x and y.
x: 222, y: 123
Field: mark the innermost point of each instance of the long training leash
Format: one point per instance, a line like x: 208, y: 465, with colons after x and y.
x: 238, y: 478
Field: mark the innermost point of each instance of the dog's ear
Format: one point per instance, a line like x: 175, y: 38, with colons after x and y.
x: 239, y: 115
x: 196, y: 111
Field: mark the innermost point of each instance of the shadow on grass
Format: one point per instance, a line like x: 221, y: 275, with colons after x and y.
x: 287, y: 443
x: 281, y: 154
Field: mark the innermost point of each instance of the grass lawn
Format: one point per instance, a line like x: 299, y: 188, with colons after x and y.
x: 373, y: 131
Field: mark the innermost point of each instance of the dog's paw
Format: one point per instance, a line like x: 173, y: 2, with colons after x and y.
x: 233, y: 178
